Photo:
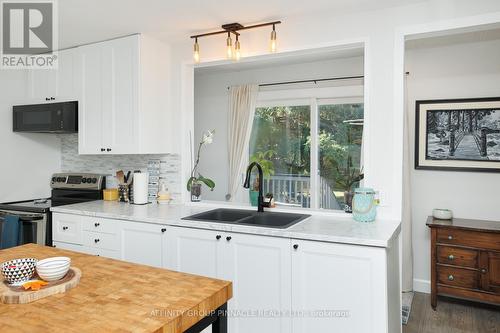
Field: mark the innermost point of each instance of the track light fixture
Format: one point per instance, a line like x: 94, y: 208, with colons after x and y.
x: 229, y: 46
x: 234, y: 28
x: 196, y: 53
x: 273, y: 40
x: 237, y: 49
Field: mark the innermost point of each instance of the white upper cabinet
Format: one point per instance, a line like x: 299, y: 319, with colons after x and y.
x: 55, y: 85
x: 123, y: 97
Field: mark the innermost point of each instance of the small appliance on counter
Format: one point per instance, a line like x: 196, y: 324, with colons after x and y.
x: 35, y: 216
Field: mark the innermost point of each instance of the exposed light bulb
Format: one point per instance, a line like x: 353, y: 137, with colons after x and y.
x: 237, y: 50
x: 272, y: 45
x: 196, y: 54
x: 229, y: 49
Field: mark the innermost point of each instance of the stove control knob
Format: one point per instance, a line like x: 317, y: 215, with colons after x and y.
x: 89, y: 180
x: 94, y: 180
x: 54, y: 179
x: 84, y: 180
x: 63, y: 179
x: 58, y: 179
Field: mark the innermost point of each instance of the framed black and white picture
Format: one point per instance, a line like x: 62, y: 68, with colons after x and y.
x: 458, y: 134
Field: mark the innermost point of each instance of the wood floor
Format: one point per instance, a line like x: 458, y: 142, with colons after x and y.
x: 451, y: 316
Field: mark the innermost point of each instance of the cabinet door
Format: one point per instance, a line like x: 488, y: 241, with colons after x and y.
x: 260, y: 269
x: 90, y: 92
x: 193, y: 251
x: 141, y: 243
x: 338, y: 288
x: 490, y: 271
x: 120, y: 70
x: 65, y: 76
x: 43, y: 85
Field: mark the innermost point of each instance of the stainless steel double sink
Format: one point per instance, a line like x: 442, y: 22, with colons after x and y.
x: 248, y: 217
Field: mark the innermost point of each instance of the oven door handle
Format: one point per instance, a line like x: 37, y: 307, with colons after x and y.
x: 23, y: 216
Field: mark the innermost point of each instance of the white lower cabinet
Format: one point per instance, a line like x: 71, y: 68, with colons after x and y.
x: 193, y: 251
x: 279, y: 284
x: 258, y: 266
x: 142, y: 243
x: 338, y: 288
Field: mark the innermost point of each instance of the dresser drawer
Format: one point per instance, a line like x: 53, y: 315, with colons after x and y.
x: 67, y: 228
x: 458, y: 277
x: 481, y: 240
x: 101, y: 240
x: 96, y: 224
x: 457, y: 256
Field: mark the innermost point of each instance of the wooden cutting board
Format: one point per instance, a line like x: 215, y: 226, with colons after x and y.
x: 18, y: 295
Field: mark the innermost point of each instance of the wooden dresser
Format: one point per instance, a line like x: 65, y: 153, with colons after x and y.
x: 465, y: 259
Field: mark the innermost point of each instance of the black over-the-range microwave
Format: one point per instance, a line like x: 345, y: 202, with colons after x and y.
x: 46, y: 118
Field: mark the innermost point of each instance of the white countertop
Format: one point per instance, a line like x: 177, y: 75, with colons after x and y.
x: 319, y: 227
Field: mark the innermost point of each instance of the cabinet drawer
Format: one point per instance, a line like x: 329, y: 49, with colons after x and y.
x: 67, y: 228
x: 96, y: 224
x: 101, y: 240
x: 481, y: 240
x: 457, y: 256
x: 103, y: 253
x: 68, y: 246
x: 458, y: 277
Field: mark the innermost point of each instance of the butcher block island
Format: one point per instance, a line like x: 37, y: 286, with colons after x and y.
x: 117, y: 296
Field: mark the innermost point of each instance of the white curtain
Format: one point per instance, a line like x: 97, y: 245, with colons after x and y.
x: 242, y: 100
x: 406, y: 227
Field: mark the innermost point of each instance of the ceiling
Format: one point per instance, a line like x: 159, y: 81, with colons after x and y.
x: 86, y: 21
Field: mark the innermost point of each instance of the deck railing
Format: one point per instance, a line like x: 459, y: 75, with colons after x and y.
x: 295, y: 190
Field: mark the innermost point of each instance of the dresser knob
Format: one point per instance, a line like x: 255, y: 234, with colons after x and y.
x: 451, y: 257
x: 483, y: 270
x: 450, y: 237
x: 451, y: 278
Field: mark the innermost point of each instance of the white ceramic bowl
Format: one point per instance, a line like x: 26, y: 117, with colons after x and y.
x: 53, y: 269
x: 442, y: 214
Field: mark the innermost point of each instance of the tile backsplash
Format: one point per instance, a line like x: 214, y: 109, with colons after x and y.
x: 169, y: 171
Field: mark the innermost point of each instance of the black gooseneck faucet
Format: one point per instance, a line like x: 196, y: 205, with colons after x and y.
x: 260, y: 199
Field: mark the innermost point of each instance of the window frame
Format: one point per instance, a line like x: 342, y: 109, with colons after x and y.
x: 314, y: 97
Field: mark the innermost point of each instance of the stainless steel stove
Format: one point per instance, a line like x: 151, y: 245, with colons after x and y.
x: 67, y: 188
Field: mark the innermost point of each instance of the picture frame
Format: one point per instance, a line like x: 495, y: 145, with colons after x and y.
x: 458, y: 134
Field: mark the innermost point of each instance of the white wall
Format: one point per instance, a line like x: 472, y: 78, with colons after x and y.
x: 454, y: 71
x: 27, y: 160
x: 379, y: 29
x: 211, y: 106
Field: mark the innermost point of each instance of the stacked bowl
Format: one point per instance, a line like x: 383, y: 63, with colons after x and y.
x: 18, y: 271
x: 53, y: 269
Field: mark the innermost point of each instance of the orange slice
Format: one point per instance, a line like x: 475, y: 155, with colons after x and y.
x: 34, y: 285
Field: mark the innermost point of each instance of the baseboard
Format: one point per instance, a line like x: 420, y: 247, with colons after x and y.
x: 422, y: 286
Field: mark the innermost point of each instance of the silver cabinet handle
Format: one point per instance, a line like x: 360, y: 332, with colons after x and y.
x: 450, y: 237
x: 451, y: 257
x: 483, y: 270
x: 450, y: 277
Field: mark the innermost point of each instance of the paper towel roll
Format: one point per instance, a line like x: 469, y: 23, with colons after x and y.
x: 140, y: 187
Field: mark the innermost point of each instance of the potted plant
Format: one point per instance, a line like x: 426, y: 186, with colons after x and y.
x: 351, y: 177
x: 263, y: 158
x: 194, y: 182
